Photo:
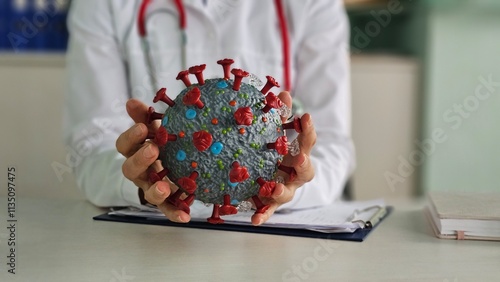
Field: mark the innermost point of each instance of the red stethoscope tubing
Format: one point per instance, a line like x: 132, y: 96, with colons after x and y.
x: 182, y: 14
x: 141, y: 23
x: 285, y: 43
x: 141, y: 18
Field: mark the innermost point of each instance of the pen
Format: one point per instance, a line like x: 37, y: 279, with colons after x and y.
x: 376, y: 217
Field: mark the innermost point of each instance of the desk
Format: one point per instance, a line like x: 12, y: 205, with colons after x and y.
x: 58, y: 241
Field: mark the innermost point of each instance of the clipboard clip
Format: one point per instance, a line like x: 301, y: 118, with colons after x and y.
x: 370, y: 220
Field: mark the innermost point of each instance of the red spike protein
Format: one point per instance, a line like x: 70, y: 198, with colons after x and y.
x: 228, y: 129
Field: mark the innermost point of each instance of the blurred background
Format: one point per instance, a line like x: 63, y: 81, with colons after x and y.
x: 425, y: 91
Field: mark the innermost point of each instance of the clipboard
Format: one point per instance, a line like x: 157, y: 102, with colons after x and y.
x: 357, y: 236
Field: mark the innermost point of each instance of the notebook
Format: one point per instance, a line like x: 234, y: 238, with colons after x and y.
x: 344, y: 220
x: 464, y: 215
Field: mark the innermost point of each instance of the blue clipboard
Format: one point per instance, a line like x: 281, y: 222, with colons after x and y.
x: 358, y: 236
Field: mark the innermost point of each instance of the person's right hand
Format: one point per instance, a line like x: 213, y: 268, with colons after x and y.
x: 142, y: 158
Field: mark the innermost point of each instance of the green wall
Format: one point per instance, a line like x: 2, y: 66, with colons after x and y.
x: 462, y: 54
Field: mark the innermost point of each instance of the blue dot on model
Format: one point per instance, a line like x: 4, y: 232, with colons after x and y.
x: 181, y: 155
x: 190, y: 114
x: 216, y: 148
x: 221, y: 84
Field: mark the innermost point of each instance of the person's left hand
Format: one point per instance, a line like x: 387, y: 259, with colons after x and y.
x: 284, y: 192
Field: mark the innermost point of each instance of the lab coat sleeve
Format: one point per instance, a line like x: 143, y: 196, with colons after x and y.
x: 95, y: 105
x: 322, y: 84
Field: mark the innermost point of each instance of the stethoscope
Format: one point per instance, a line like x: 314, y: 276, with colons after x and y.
x: 143, y: 33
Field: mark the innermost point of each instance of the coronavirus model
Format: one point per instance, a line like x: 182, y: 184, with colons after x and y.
x: 222, y: 140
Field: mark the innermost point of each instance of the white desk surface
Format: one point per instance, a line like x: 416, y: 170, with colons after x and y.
x: 58, y: 241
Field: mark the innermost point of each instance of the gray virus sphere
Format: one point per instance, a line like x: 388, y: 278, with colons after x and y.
x: 222, y: 141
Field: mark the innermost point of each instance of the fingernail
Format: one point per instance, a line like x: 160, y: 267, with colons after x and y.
x: 282, y: 192
x: 148, y: 151
x: 132, y: 104
x: 304, y: 162
x: 183, y: 218
x: 137, y: 130
x: 159, y: 190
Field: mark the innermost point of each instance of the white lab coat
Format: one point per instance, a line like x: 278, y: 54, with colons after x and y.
x: 106, y: 66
